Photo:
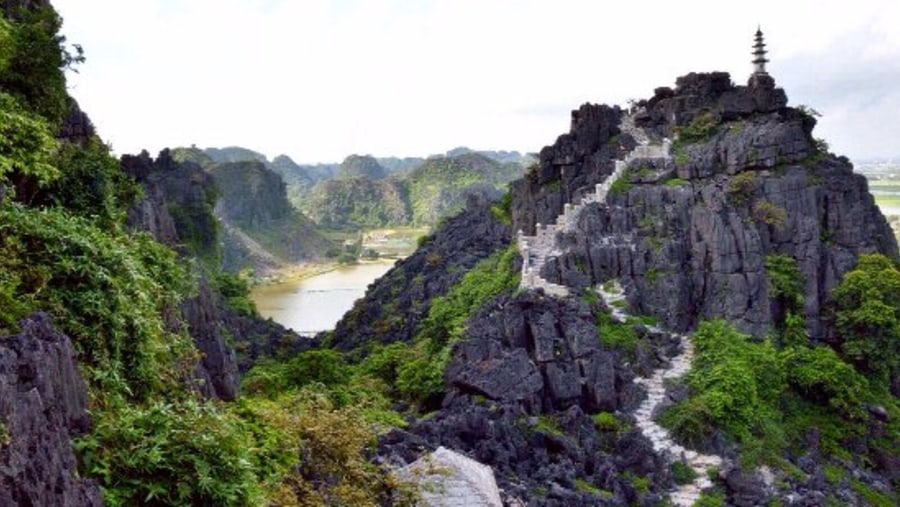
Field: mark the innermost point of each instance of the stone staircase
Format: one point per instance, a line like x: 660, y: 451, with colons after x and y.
x: 686, y: 494
x: 535, y: 250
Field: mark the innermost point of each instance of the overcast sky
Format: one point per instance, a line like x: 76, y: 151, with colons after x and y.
x: 319, y: 79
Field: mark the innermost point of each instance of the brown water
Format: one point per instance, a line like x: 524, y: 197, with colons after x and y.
x: 317, y: 303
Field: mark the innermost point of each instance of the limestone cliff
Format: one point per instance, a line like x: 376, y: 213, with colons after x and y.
x: 679, y: 200
x: 43, y: 405
x: 262, y: 229
x: 688, y: 237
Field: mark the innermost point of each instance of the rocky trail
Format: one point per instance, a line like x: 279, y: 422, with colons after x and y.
x: 537, y: 249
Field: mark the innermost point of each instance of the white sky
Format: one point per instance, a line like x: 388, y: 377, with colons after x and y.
x: 319, y: 80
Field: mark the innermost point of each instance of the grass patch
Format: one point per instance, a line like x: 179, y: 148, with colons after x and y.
x: 620, y: 186
x: 586, y: 487
x: 682, y: 473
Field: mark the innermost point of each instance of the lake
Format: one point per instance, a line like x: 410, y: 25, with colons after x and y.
x: 317, y: 303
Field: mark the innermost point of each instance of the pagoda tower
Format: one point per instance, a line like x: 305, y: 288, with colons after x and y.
x: 759, y: 54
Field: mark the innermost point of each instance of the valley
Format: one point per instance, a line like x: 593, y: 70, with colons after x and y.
x: 687, y: 301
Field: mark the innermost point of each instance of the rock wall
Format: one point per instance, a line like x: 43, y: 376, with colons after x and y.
x: 688, y: 238
x: 521, y: 388
x: 396, y: 303
x: 43, y: 405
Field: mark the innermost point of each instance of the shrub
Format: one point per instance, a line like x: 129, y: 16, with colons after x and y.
x: 106, y: 290
x: 27, y: 146
x: 785, y: 280
x: 820, y: 375
x: 770, y: 214
x: 701, y: 128
x: 735, y: 383
x: 867, y: 315
x: 741, y: 187
x: 171, y: 453
x: 682, y: 473
x: 605, y: 421
x: 620, y: 186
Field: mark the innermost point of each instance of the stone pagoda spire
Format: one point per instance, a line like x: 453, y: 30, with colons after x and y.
x: 759, y: 54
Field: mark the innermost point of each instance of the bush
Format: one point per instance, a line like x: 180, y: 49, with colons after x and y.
x: 867, y: 316
x: 820, y: 375
x: 682, y: 473
x: 770, y: 214
x: 736, y: 384
x: 171, y: 453
x: 701, y: 128
x: 106, y: 290
x: 27, y: 146
x: 741, y: 187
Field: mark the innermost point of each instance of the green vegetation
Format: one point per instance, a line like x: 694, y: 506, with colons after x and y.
x: 620, y: 186
x: 682, y: 473
x: 606, y: 421
x: 767, y: 399
x: 770, y: 214
x: 586, y: 487
x: 867, y: 317
x: 700, y: 129
x: 741, y: 187
x: 64, y: 250
x: 787, y: 288
x: 446, y: 322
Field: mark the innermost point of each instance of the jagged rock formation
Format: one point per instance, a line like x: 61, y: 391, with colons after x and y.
x: 684, y: 226
x: 409, y: 287
x: 520, y: 390
x: 745, y: 180
x: 253, y: 199
x: 43, y: 405
x: 177, y: 204
x: 77, y: 127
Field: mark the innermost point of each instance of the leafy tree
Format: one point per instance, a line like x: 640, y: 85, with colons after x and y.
x: 34, y: 61
x: 867, y: 316
x: 27, y: 146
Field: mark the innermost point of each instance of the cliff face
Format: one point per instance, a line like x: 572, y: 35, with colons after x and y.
x: 688, y: 237
x: 395, y: 304
x: 177, y: 204
x: 358, y: 202
x: 262, y: 230
x: 43, y: 405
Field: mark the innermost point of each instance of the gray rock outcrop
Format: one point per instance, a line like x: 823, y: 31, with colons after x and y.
x: 448, y: 479
x: 43, y: 405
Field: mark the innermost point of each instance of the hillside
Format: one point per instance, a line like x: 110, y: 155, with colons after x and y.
x: 436, y: 189
x: 254, y: 205
x: 260, y: 228
x: 709, y: 209
x: 118, y: 383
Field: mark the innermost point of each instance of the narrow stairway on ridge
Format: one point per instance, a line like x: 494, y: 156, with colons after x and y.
x: 537, y: 249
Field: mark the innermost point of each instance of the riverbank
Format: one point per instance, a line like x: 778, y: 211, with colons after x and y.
x: 311, y: 299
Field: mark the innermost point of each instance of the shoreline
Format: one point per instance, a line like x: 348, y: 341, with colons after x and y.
x: 298, y: 272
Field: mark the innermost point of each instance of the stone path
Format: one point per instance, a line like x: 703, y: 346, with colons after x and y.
x: 687, y: 494
x: 535, y: 250
x: 543, y: 245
